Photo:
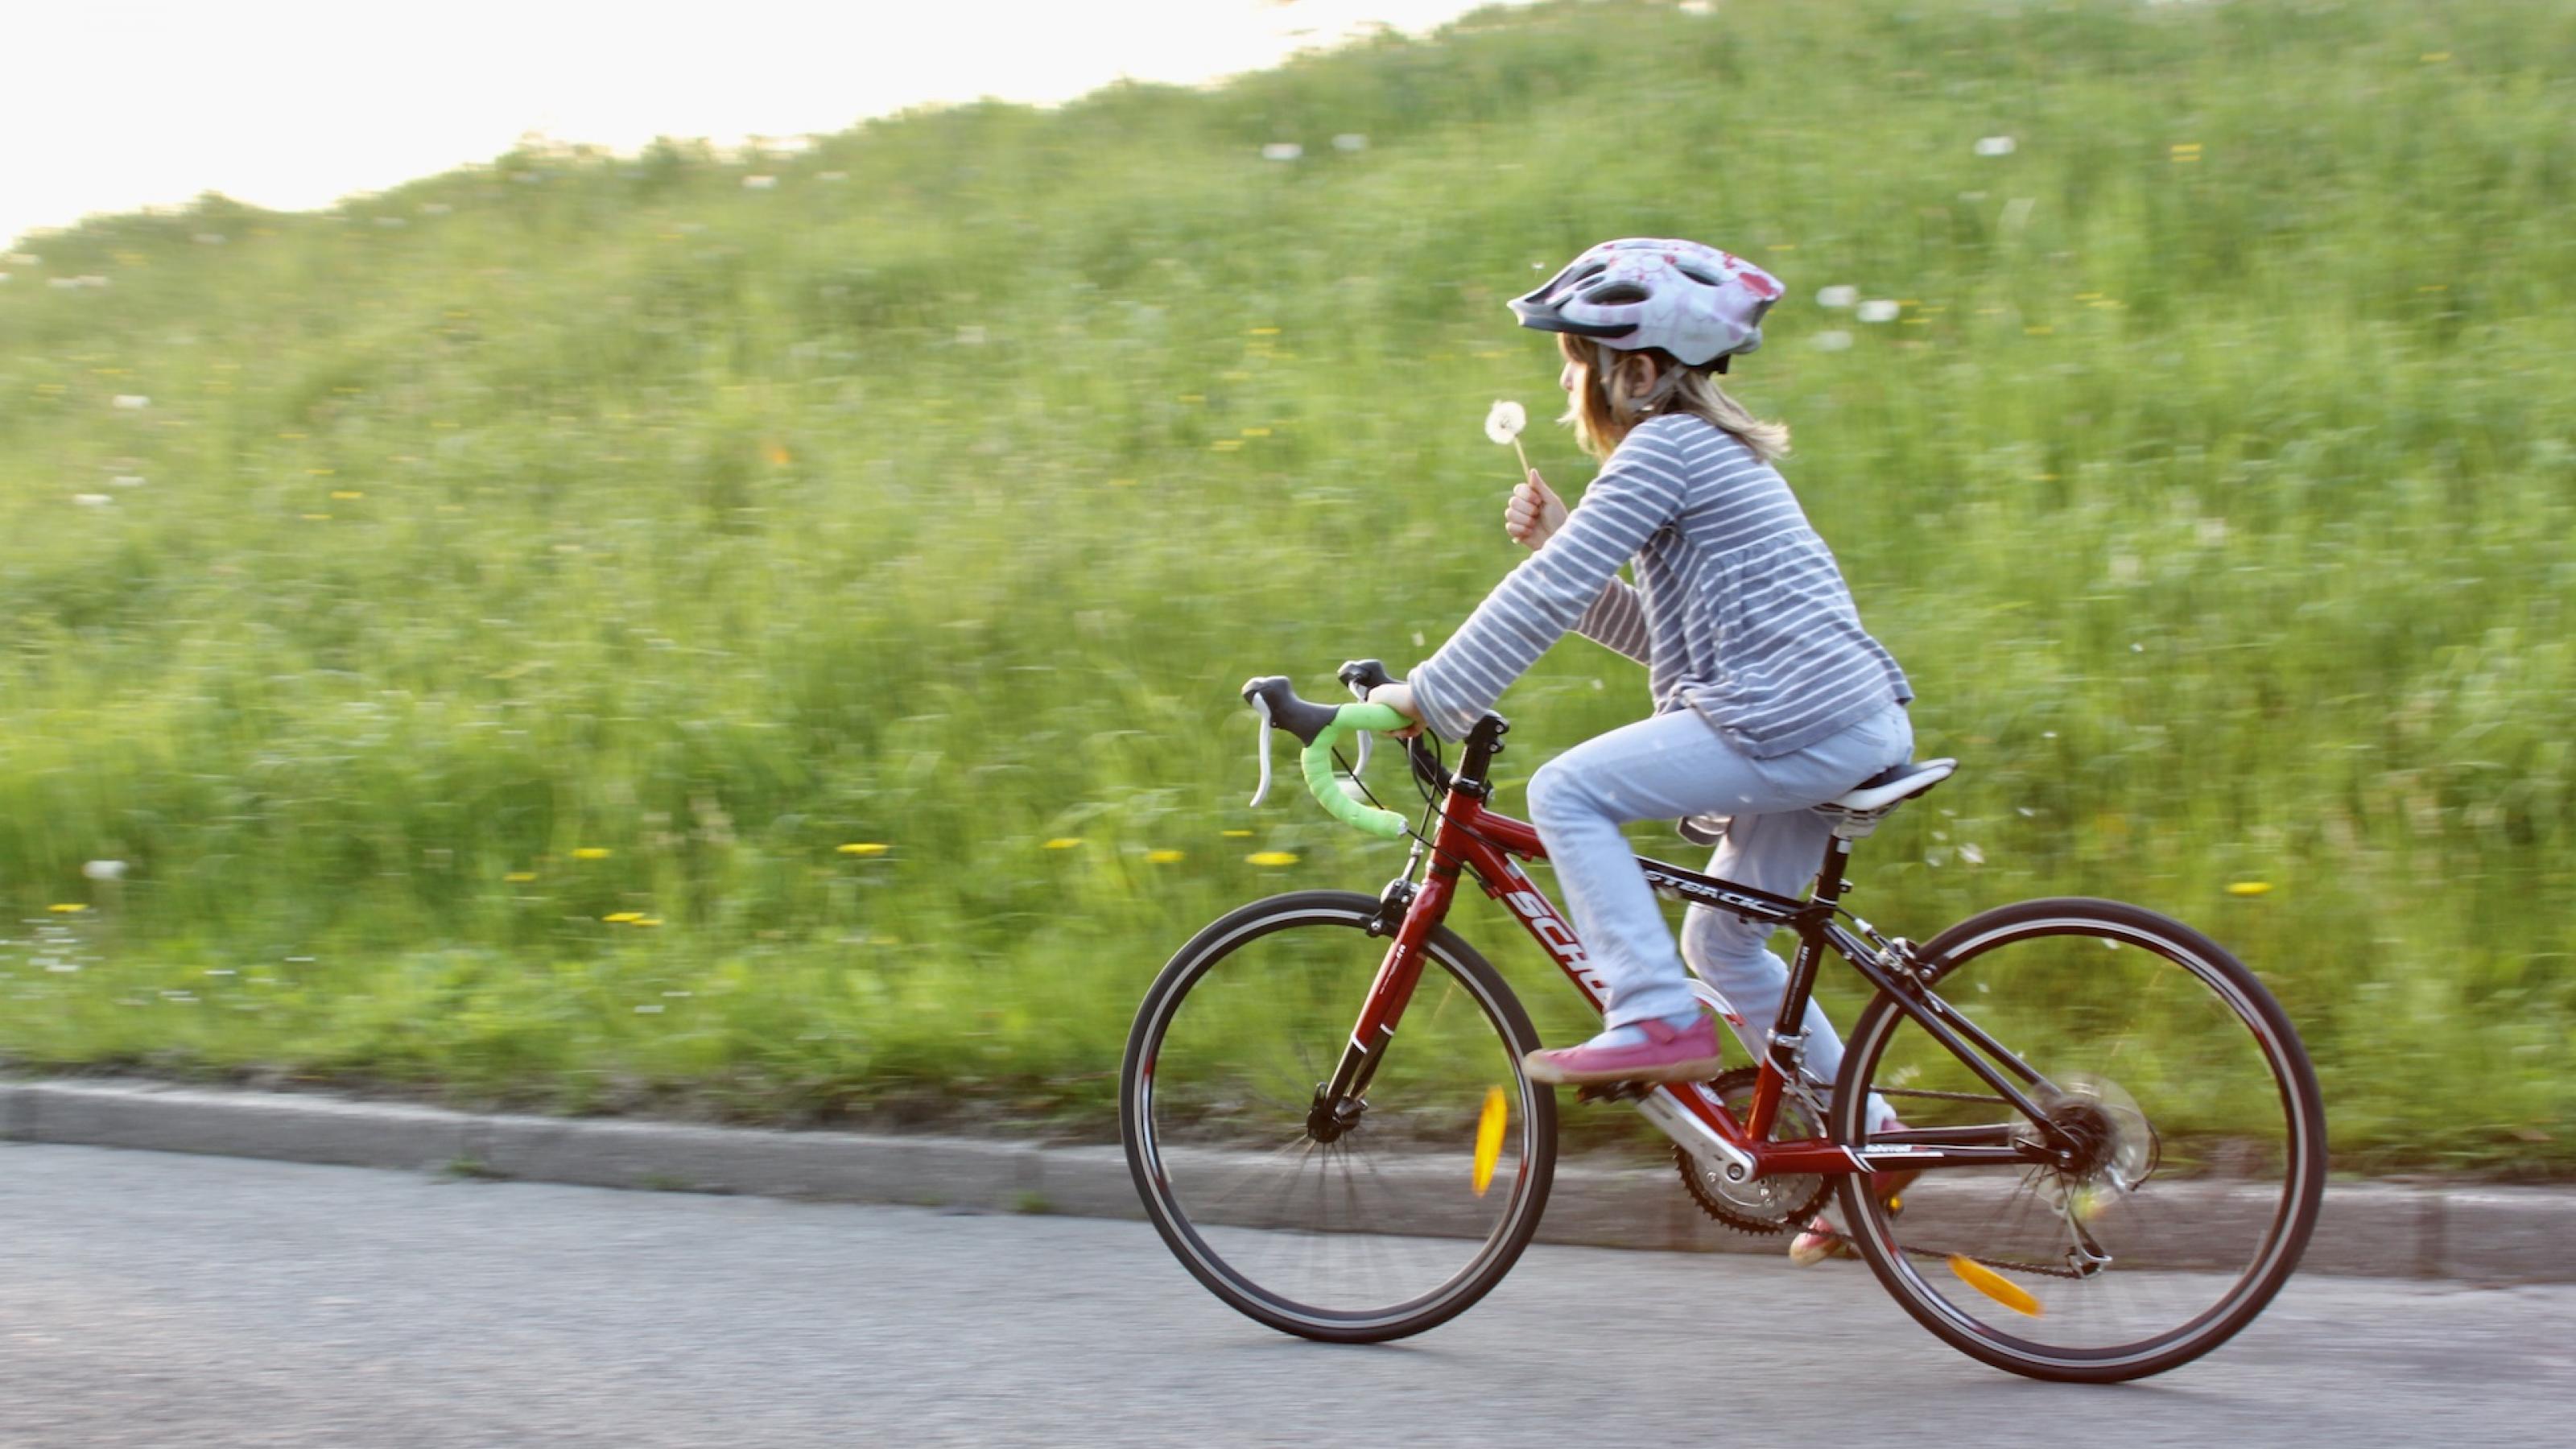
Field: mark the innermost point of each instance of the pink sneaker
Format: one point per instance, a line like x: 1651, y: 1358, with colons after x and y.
x: 1666, y: 1055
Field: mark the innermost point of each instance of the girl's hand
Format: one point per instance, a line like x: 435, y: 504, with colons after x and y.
x: 1535, y: 512
x: 1399, y: 697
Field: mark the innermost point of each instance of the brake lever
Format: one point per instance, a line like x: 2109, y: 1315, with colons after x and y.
x: 1368, y: 738
x: 1261, y: 727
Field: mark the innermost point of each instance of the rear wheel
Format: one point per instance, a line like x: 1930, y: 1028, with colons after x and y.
x: 1352, y: 1231
x: 2199, y: 1146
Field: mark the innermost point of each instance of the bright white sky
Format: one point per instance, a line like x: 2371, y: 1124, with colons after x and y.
x: 111, y: 105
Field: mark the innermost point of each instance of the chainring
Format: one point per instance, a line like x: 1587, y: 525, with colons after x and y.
x: 1759, y: 1211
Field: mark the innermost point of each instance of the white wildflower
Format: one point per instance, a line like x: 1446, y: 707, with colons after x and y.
x: 759, y: 183
x: 104, y: 870
x: 1282, y: 151
x: 1995, y: 146
x: 1503, y: 424
x: 208, y: 238
x: 1697, y: 7
x: 127, y: 480
x: 832, y: 176
x: 92, y: 500
x: 1877, y: 309
x: 970, y: 336
x: 1350, y: 141
x: 1834, y: 341
x: 133, y: 402
x: 1837, y: 296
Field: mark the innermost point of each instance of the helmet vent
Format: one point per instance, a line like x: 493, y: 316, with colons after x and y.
x: 1699, y: 276
x: 1617, y: 293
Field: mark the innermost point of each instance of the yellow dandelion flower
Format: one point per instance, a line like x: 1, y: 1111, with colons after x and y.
x: 1064, y: 842
x: 520, y: 877
x: 1265, y: 331
x: 1227, y: 445
x: 68, y: 908
x: 1256, y: 432
x: 343, y: 495
x: 778, y: 456
x: 317, y: 518
x: 866, y: 847
x: 1237, y: 834
x: 591, y: 852
x: 1165, y: 857
x: 619, y: 918
x: 1272, y: 857
x: 648, y: 920
x: 2249, y: 888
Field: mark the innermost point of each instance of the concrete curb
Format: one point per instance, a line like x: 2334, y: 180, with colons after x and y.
x: 2482, y: 1234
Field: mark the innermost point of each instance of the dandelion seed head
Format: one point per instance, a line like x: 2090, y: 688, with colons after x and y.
x: 1505, y: 421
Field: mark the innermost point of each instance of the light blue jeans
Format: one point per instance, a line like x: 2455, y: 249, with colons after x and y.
x: 1676, y: 765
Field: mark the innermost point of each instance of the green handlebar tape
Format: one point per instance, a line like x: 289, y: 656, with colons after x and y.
x: 1318, y: 758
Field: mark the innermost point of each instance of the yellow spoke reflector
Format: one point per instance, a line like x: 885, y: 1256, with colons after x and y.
x: 1991, y: 1283
x: 1489, y: 1137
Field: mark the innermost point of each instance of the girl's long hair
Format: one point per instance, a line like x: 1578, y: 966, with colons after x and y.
x: 1602, y: 411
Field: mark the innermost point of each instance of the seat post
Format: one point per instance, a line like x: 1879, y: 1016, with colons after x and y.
x: 1829, y: 881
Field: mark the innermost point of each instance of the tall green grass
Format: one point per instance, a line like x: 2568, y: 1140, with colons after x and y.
x: 2213, y: 484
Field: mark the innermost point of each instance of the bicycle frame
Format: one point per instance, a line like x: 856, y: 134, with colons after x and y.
x: 1472, y: 838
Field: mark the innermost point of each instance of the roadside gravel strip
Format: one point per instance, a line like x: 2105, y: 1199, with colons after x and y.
x: 2478, y: 1234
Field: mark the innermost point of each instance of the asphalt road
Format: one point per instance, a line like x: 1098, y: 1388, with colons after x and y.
x: 162, y: 1300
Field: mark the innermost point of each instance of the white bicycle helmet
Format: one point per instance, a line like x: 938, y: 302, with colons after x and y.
x: 1700, y: 304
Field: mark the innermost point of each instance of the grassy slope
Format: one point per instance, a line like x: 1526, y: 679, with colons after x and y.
x: 2217, y: 500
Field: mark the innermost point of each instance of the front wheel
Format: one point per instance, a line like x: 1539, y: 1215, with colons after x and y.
x: 2175, y: 1084
x: 1358, y: 1230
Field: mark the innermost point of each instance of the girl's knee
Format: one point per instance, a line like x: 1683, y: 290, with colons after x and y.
x: 1557, y: 794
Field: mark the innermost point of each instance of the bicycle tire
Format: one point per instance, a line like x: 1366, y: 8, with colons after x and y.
x: 2303, y: 1155
x: 1146, y: 1154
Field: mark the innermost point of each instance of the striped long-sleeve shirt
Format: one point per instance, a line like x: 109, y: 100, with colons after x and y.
x: 1738, y: 610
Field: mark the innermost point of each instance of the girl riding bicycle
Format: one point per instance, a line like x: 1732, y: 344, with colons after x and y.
x: 1769, y: 697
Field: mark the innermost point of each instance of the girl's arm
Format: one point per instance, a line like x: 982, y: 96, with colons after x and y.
x: 1616, y: 620
x: 1637, y: 492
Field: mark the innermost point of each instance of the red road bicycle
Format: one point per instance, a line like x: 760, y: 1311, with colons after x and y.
x: 2119, y: 1138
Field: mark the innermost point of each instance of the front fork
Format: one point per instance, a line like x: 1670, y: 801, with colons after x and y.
x: 1406, y: 912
